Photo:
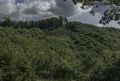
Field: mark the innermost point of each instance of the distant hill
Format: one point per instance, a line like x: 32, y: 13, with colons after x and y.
x: 74, y: 52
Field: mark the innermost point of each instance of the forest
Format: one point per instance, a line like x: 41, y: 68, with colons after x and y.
x: 48, y: 23
x: 58, y: 51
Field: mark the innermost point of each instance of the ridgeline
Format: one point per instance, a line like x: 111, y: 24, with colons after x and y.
x: 73, y: 52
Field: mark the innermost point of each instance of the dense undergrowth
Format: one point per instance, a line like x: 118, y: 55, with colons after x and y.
x: 76, y: 52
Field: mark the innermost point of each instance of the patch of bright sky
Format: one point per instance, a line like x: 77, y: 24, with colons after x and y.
x: 84, y: 16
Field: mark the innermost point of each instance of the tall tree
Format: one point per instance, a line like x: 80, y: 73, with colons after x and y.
x: 6, y: 21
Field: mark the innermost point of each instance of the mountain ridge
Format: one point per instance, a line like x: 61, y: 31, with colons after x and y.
x: 74, y: 52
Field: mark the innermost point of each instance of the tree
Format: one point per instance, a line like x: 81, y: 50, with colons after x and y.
x: 6, y: 21
x: 112, y: 14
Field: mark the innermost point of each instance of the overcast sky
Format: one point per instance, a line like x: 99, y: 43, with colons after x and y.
x: 39, y: 9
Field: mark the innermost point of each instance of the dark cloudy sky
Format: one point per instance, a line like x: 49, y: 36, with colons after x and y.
x: 36, y: 9
x: 39, y: 9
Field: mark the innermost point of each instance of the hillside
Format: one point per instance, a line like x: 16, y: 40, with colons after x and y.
x: 76, y: 52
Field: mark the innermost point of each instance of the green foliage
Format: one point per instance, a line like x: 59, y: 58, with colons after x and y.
x: 113, y: 13
x: 45, y: 24
x: 76, y: 52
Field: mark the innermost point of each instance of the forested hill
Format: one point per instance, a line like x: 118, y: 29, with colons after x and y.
x: 73, y: 52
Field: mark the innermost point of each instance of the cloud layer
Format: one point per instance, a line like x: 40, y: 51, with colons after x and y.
x: 36, y: 9
x: 39, y: 9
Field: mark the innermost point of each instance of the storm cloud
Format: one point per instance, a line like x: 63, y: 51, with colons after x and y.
x: 36, y: 9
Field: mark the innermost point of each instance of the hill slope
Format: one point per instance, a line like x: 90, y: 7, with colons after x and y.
x: 77, y: 52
